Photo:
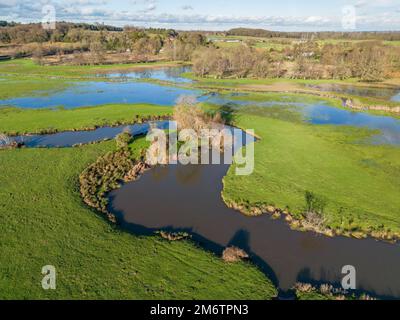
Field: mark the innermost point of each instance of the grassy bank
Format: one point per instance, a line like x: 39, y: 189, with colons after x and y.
x: 21, y: 86
x: 359, y: 183
x: 20, y: 121
x: 43, y: 221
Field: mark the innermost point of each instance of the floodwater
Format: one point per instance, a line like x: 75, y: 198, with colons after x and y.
x: 103, y: 92
x: 163, y: 74
x: 383, y: 93
x: 322, y: 114
x: 117, y: 88
x: 131, y: 88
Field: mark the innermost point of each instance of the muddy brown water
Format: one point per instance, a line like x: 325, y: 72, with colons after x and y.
x: 188, y: 198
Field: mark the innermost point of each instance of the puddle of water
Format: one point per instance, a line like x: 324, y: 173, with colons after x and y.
x: 119, y: 91
x: 187, y: 198
x: 163, y: 74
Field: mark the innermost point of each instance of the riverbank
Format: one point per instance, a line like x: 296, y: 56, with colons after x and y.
x: 95, y: 189
x: 357, y: 182
x: 28, y: 68
x: 16, y: 121
x: 44, y: 221
x: 29, y: 79
x: 179, y: 188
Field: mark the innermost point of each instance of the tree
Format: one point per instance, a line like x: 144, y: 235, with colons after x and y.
x: 38, y: 54
x: 369, y: 63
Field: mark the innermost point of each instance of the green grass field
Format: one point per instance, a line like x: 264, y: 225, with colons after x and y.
x: 20, y: 86
x: 20, y: 121
x: 360, y: 182
x: 44, y: 222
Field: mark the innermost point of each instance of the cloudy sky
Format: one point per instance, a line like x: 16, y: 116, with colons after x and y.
x: 286, y: 15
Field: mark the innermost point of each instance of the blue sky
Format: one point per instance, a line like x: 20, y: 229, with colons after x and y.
x: 287, y: 15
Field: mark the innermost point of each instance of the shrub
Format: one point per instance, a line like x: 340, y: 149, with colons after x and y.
x: 123, y: 139
x: 189, y: 115
x: 234, y: 254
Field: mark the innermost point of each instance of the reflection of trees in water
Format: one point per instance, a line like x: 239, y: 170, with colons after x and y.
x: 359, y: 91
x: 241, y: 239
x: 188, y: 174
x: 159, y: 173
x: 185, y: 175
x: 173, y: 73
x: 146, y: 74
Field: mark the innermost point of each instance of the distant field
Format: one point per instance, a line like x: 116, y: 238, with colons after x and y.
x: 278, y: 43
x: 258, y: 42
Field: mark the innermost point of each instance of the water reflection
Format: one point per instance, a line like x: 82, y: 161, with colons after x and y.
x: 384, y: 93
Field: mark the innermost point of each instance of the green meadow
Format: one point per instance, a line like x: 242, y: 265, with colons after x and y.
x: 359, y: 182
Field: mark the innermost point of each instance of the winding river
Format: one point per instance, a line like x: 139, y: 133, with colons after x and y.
x: 188, y: 198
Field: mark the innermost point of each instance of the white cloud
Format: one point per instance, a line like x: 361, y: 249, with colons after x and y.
x: 146, y: 13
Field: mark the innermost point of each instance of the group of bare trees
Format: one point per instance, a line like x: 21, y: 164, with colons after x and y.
x: 183, y: 46
x: 368, y: 61
x: 239, y: 62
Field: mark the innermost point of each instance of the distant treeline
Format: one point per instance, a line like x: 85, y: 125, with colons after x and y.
x: 368, y: 61
x: 86, y: 26
x: 17, y: 33
x: 388, y: 36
